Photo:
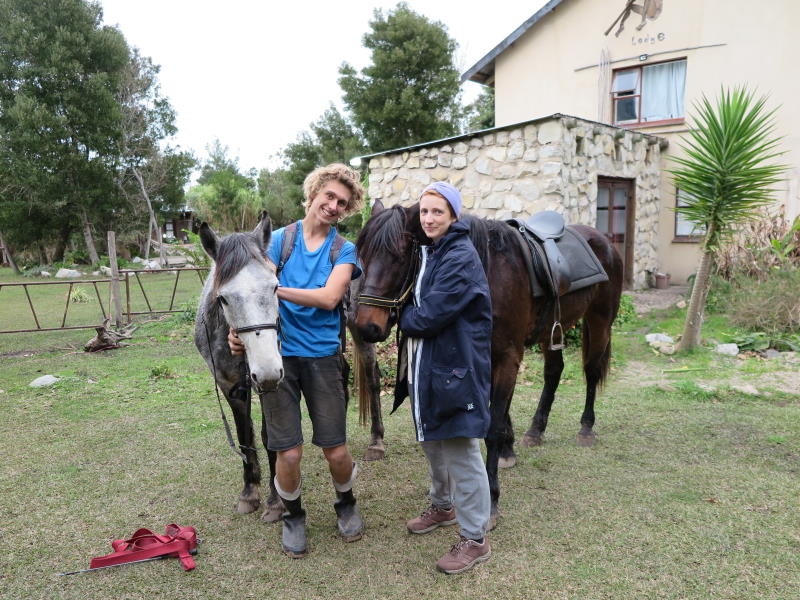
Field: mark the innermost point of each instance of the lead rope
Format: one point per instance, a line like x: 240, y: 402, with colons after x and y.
x: 228, y: 433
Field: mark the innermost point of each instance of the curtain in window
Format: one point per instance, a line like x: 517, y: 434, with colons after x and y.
x: 663, y: 89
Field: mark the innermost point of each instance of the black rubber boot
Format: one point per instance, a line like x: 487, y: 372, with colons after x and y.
x: 293, y: 536
x: 348, y: 518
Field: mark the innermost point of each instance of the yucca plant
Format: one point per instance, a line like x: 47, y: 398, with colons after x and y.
x: 728, y: 173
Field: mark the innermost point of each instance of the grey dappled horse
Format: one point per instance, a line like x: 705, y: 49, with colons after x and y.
x: 240, y: 292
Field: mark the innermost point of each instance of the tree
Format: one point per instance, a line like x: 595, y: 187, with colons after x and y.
x: 480, y: 114
x: 146, y: 172
x: 411, y: 91
x: 224, y: 195
x: 59, y: 68
x: 727, y: 174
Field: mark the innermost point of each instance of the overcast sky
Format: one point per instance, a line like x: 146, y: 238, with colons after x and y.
x: 256, y: 73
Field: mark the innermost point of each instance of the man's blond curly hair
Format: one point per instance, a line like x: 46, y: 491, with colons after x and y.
x: 335, y: 172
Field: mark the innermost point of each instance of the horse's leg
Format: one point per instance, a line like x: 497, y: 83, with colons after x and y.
x: 501, y: 437
x: 238, y: 399
x: 553, y: 366
x: 274, y: 509
x: 596, y: 360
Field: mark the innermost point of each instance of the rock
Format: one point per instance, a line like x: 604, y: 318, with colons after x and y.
x: 658, y: 338
x: 727, y: 349
x: 43, y: 381
x: 68, y: 274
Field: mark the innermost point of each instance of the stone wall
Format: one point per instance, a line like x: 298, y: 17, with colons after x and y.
x: 550, y: 163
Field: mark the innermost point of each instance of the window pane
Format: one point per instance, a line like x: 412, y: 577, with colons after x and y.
x: 663, y: 88
x: 602, y: 220
x: 602, y: 197
x: 626, y: 109
x: 626, y: 81
x: 683, y: 226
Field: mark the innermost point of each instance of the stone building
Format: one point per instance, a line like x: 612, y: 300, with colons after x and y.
x: 562, y: 163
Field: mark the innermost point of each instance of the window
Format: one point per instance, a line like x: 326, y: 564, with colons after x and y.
x: 649, y: 94
x: 684, y: 228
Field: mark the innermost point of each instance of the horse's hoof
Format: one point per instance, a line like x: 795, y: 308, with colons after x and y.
x: 374, y: 453
x: 273, y: 512
x: 529, y: 441
x: 492, y: 524
x: 586, y: 439
x: 506, y: 462
x: 245, y: 506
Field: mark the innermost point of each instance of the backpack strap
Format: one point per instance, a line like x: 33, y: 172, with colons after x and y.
x: 287, y: 245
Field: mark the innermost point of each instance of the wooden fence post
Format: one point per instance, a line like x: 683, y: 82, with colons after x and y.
x: 116, y: 300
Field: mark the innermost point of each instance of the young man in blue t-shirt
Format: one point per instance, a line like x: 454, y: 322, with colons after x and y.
x: 311, y: 289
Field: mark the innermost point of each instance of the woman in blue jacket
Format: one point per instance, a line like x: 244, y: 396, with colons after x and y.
x: 449, y: 327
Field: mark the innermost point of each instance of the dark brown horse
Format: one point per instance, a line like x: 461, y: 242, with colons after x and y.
x: 387, y: 246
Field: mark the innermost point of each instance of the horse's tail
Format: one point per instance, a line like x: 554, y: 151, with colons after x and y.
x: 602, y: 362
x: 360, y: 382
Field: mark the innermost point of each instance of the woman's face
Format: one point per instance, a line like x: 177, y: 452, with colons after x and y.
x: 435, y: 216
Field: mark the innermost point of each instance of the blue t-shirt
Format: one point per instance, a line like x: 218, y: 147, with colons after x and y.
x: 306, y: 331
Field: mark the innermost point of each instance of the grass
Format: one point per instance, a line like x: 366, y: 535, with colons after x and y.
x: 690, y: 492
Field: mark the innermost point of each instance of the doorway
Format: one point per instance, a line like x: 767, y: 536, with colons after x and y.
x: 616, y: 217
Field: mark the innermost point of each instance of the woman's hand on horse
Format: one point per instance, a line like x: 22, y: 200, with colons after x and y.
x: 235, y: 344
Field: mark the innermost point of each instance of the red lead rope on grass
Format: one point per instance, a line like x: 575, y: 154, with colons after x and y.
x: 177, y: 541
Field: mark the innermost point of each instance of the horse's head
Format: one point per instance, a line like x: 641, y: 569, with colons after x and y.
x: 387, y: 247
x: 244, y: 288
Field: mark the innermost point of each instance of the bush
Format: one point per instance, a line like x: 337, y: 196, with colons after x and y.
x: 769, y: 304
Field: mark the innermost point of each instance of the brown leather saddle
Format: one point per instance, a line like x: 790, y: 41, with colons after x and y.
x: 559, y: 261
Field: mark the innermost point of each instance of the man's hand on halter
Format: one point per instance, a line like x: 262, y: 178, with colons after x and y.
x: 235, y: 344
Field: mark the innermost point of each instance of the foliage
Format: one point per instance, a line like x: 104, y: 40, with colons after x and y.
x: 728, y: 173
x: 78, y: 110
x: 194, y: 250
x: 759, y: 246
x: 480, y: 113
x: 627, y: 311
x: 769, y: 304
x: 410, y: 92
x: 224, y: 196
x: 79, y: 294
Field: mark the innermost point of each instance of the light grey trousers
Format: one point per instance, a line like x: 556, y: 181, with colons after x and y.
x: 458, y: 478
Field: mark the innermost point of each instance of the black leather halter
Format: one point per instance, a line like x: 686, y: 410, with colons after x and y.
x: 393, y: 304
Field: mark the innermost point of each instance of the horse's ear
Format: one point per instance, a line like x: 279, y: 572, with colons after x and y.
x: 209, y: 240
x: 377, y: 208
x: 264, y: 229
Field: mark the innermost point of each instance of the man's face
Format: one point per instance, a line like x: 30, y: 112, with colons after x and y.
x: 331, y: 201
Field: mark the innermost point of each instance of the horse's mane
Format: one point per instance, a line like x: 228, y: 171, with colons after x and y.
x: 233, y: 253
x: 383, y: 232
x: 490, y: 236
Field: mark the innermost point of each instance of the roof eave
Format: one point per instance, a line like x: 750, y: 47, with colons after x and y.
x: 483, y: 71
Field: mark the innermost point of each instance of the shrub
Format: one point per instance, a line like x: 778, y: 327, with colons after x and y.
x: 769, y: 304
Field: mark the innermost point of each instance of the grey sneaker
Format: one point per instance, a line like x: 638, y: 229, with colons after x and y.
x: 464, y: 555
x: 432, y: 518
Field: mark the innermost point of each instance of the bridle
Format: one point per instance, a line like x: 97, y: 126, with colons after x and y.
x: 394, y: 304
x: 244, y: 377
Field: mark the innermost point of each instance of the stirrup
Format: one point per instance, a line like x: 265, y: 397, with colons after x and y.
x: 553, y: 345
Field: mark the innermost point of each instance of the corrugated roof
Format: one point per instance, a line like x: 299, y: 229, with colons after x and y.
x: 483, y: 71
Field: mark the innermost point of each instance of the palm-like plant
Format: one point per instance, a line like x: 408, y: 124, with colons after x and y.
x: 728, y: 173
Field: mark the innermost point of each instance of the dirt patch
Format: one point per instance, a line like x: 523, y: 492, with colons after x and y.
x: 654, y: 299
